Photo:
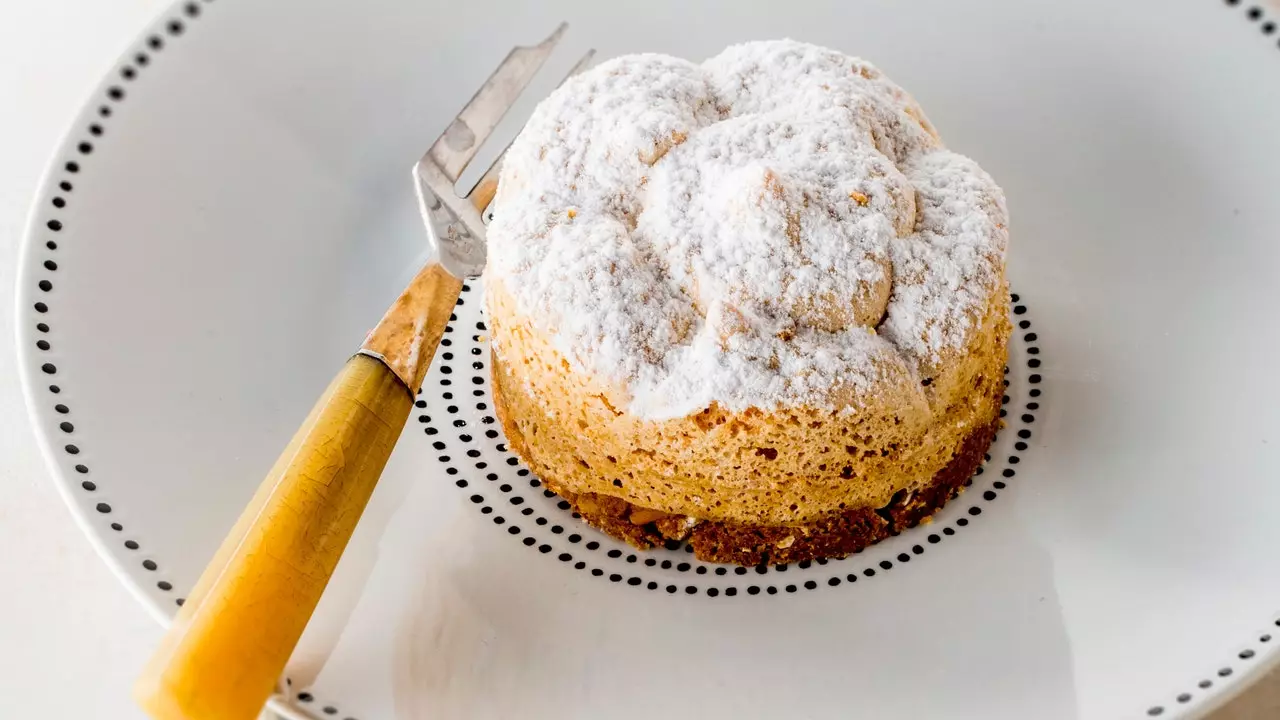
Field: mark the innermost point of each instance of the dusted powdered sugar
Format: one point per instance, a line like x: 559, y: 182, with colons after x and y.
x: 777, y: 226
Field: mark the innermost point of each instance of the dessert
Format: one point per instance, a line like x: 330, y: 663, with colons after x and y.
x: 753, y: 303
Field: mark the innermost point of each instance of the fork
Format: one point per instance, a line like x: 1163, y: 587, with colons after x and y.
x: 229, y: 643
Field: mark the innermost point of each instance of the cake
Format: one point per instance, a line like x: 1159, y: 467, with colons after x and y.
x: 754, y: 304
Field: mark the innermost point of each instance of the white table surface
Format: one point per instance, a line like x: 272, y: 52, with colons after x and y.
x: 71, y: 637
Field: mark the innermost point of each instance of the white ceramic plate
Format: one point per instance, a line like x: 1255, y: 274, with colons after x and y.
x: 233, y: 209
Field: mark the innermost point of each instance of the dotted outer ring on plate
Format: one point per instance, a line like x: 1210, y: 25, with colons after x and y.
x: 460, y: 440
x: 1268, y: 26
x: 53, y: 225
x: 327, y: 709
x: 1225, y: 671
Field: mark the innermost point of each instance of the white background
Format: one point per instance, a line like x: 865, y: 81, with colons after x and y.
x: 71, y: 637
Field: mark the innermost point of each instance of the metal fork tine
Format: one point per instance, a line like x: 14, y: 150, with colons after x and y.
x: 579, y: 66
x: 482, y: 194
x: 468, y: 131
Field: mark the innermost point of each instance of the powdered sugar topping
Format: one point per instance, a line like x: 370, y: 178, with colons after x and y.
x: 777, y: 226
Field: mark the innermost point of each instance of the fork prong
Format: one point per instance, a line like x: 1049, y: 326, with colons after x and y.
x: 468, y: 131
x: 482, y: 194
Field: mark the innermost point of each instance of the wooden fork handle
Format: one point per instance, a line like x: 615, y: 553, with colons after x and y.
x: 228, y: 646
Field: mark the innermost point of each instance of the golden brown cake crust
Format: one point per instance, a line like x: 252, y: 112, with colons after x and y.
x: 754, y: 302
x: 839, y: 535
x: 790, y: 466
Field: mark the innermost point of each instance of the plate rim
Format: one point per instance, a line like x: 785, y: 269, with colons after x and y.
x: 28, y: 361
x: 1250, y: 664
x: 29, y: 365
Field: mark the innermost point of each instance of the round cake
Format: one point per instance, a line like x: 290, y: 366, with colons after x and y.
x: 753, y: 304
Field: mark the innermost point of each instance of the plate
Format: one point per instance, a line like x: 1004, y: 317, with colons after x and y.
x: 232, y: 210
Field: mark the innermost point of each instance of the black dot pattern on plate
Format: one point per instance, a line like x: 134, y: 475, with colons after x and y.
x: 467, y: 441
x: 57, y: 229
x: 1253, y: 14
x: 168, y: 31
x: 1256, y: 15
x: 308, y: 700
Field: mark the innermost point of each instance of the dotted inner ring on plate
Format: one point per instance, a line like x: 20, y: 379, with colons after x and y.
x: 455, y: 414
